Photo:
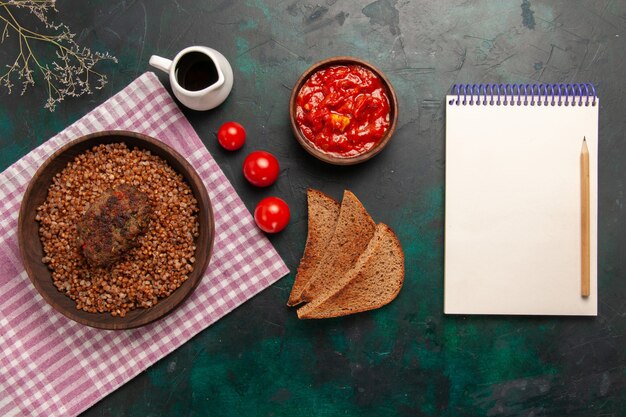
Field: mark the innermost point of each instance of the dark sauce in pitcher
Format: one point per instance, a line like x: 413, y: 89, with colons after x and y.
x: 196, y: 71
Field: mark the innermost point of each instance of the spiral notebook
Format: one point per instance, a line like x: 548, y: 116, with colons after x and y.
x: 514, y: 210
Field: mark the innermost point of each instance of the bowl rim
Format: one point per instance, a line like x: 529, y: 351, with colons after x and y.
x: 326, y: 157
x: 144, y: 319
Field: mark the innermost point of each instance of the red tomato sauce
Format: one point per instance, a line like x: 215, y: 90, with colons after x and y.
x: 343, y: 110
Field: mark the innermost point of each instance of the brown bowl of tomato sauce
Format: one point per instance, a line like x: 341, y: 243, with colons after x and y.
x: 343, y: 110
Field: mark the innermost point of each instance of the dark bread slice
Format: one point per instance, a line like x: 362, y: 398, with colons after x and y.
x: 323, y: 214
x: 354, y: 230
x: 375, y: 280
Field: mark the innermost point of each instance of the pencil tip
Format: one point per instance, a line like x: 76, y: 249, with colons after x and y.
x: 584, y: 139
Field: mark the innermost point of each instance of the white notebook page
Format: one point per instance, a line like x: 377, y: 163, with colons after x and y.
x: 513, y: 209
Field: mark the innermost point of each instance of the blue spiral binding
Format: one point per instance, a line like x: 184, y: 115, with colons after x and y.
x: 582, y: 94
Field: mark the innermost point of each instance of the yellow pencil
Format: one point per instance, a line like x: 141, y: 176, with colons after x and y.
x: 584, y: 219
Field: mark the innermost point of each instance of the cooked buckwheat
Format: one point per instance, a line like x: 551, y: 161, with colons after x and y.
x: 165, y: 253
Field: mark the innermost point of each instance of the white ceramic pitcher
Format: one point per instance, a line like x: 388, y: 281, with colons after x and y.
x: 201, y: 77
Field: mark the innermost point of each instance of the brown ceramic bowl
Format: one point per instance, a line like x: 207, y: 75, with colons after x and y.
x: 327, y: 157
x: 32, y: 251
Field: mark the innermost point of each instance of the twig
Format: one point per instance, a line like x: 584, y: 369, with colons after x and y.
x: 67, y: 75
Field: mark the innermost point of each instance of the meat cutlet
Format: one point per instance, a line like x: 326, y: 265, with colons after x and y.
x: 113, y: 224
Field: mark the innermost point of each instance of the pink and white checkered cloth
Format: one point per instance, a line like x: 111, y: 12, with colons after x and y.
x: 50, y: 365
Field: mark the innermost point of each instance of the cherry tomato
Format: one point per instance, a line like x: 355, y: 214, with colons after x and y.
x: 261, y: 168
x: 231, y: 135
x: 272, y: 214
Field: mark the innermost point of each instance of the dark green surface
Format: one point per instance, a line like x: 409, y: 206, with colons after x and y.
x: 406, y: 359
